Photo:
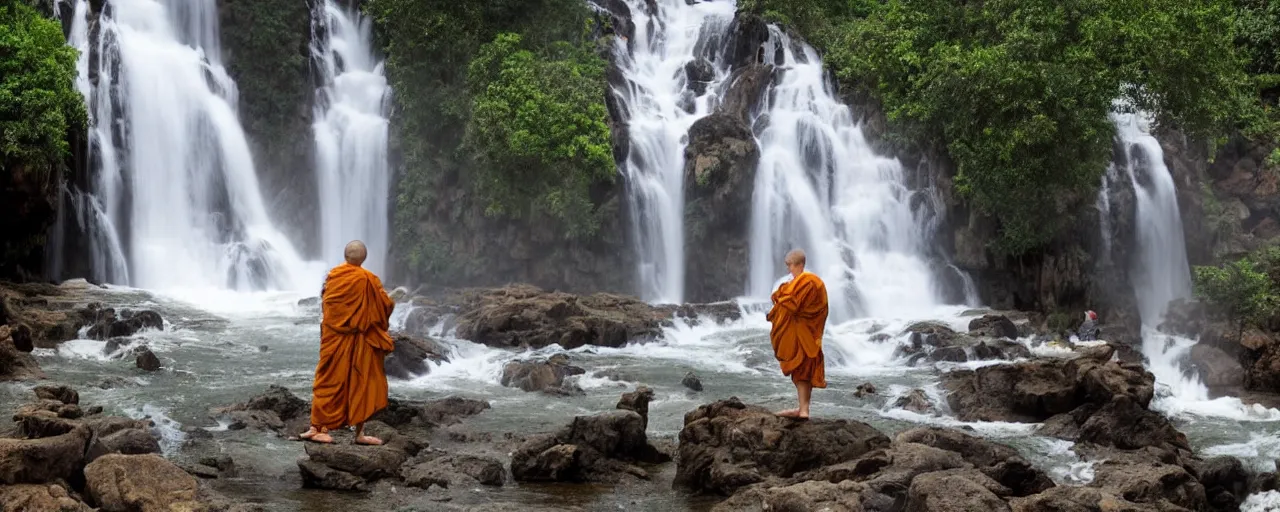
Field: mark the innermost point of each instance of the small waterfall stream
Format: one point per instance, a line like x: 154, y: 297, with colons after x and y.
x: 351, y: 131
x: 662, y: 102
x: 821, y: 187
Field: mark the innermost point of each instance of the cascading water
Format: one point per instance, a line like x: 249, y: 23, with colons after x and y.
x: 822, y: 188
x: 661, y: 103
x: 173, y: 174
x: 351, y: 134
x: 1160, y: 273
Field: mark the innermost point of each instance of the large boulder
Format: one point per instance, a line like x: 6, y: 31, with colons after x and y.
x: 1034, y: 391
x: 110, y: 324
x: 50, y: 498
x: 276, y: 409
x: 526, y: 316
x: 719, y: 175
x: 1216, y: 368
x: 145, y: 483
x: 16, y: 364
x: 606, y: 447
x: 539, y: 375
x: 44, y: 460
x: 440, y: 469
x: 728, y: 444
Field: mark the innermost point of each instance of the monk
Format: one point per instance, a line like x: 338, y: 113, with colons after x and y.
x: 799, y: 316
x: 351, y: 384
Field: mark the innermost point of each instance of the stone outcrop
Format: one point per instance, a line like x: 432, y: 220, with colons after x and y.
x: 540, y: 375
x: 720, y: 165
x: 410, y: 357
x: 124, y: 483
x: 988, y: 339
x: 607, y: 447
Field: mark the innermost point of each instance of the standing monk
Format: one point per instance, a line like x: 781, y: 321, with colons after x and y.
x: 799, y: 316
x: 350, y: 382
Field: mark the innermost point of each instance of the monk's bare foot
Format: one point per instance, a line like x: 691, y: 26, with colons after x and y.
x: 789, y: 413
x: 306, y: 436
x: 368, y: 440
x: 321, y: 438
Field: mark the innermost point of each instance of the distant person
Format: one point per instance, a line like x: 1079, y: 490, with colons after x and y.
x: 799, y: 316
x: 350, y: 383
x: 1089, y: 330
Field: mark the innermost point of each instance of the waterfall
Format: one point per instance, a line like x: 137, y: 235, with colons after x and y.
x: 661, y: 103
x: 820, y: 187
x: 172, y: 173
x: 351, y: 134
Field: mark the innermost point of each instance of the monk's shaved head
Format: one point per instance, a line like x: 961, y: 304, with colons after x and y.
x: 355, y: 253
x: 796, y: 256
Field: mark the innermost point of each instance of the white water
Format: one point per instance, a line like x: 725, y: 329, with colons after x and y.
x: 656, y: 94
x: 1160, y: 274
x: 182, y: 184
x: 820, y: 187
x: 351, y: 135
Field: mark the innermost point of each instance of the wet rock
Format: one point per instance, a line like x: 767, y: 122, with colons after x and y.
x: 1216, y: 368
x: 998, y: 349
x: 309, y: 302
x: 718, y: 312
x: 526, y: 316
x: 699, y: 73
x: 601, y: 448
x: 17, y: 365
x: 747, y: 33
x: 915, y: 401
x: 61, y: 393
x: 130, y: 441
x: 615, y: 375
x: 956, y: 489
x: 201, y: 471
x: 1034, y: 391
x: 119, y: 483
x: 844, y: 496
x: 320, y: 476
x: 50, y: 498
x: 1225, y: 481
x: 1123, y: 424
x: 864, y: 389
x: 1150, y: 483
x: 109, y: 324
x: 948, y: 354
x: 1082, y: 499
x: 43, y: 460
x: 367, y: 462
x: 444, y: 470
x: 637, y: 401
x: 727, y: 445
x: 21, y: 337
x: 539, y: 375
x: 719, y: 176
x: 999, y: 462
x: 453, y: 409
x: 222, y: 463
x: 147, y: 360
x: 993, y: 326
x: 409, y: 359
x: 276, y: 409
x: 692, y: 381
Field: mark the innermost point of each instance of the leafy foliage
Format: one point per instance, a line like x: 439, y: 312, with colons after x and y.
x: 538, y: 130
x: 501, y: 104
x: 38, y: 100
x: 1240, y: 291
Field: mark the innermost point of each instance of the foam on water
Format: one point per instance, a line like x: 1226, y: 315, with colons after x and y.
x: 1261, y: 451
x: 1261, y: 502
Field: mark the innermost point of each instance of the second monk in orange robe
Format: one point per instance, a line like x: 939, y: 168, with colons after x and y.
x: 350, y: 383
x: 799, y: 317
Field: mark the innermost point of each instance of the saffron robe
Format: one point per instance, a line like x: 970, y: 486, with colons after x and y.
x: 799, y: 317
x: 350, y: 383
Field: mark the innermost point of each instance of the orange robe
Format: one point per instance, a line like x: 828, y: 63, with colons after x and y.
x: 799, y: 316
x: 351, y: 384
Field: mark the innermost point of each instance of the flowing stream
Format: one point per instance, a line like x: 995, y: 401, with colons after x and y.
x: 351, y: 135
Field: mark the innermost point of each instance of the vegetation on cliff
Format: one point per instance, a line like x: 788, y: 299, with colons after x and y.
x: 39, y: 107
x: 501, y: 115
x: 1018, y: 92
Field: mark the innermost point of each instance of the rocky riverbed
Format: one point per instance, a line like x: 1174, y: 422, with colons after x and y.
x: 519, y: 398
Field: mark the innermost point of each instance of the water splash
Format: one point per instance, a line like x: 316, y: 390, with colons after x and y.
x: 351, y: 134
x: 173, y: 174
x: 821, y: 187
x: 661, y: 102
x: 1160, y: 274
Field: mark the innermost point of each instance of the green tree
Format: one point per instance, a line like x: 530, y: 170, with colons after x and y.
x: 1238, y: 291
x: 39, y: 108
x: 38, y: 100
x: 538, y: 131
x: 1018, y: 91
